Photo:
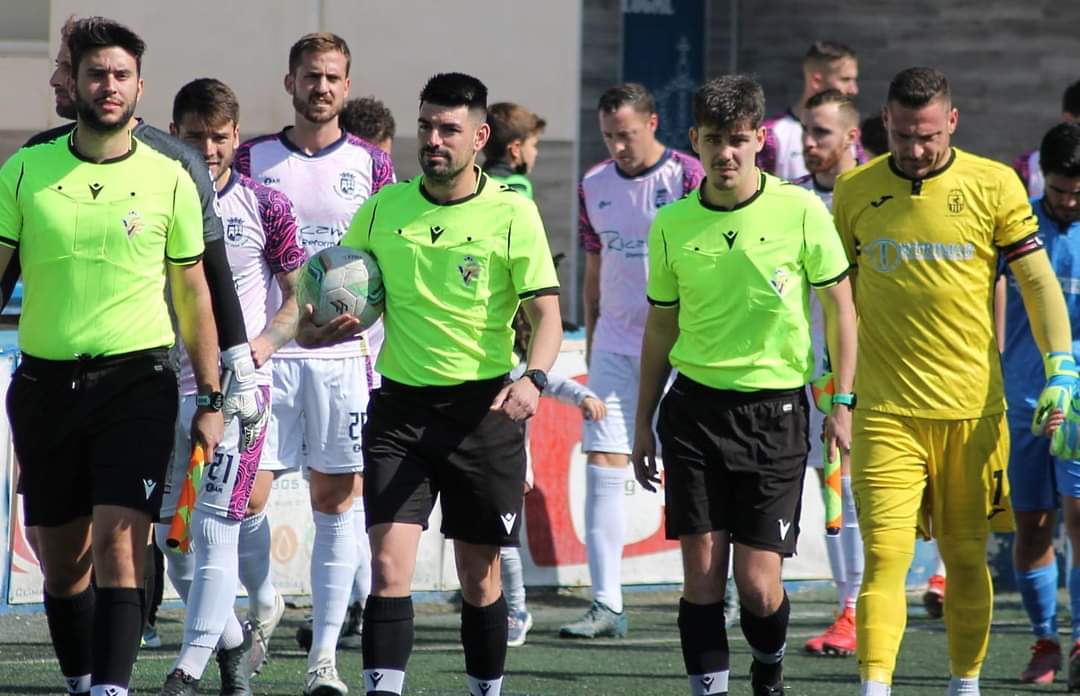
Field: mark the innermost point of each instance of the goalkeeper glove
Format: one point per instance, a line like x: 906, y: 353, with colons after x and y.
x: 242, y: 397
x: 1065, y: 442
x: 1061, y: 381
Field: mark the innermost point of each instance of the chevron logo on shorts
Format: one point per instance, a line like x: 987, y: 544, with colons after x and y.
x: 508, y: 521
x: 149, y: 485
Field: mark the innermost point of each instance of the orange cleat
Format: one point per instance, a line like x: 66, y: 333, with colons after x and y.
x: 1044, y: 664
x: 840, y: 638
x: 934, y: 597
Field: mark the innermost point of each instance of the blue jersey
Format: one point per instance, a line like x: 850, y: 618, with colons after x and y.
x: 1022, y: 362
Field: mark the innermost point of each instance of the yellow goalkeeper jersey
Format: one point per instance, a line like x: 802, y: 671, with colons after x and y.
x: 926, y: 255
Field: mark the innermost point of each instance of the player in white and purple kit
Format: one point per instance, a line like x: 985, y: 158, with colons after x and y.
x: 261, y: 245
x: 320, y: 396
x: 1027, y: 164
x: 618, y: 200
x: 827, y: 65
x: 830, y: 129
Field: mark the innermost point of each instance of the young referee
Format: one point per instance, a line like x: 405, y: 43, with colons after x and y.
x: 730, y: 270
x: 99, y: 220
x: 459, y: 252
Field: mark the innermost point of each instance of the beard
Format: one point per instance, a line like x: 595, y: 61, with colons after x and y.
x: 308, y: 109
x: 90, y: 118
x: 441, y: 172
x: 821, y: 163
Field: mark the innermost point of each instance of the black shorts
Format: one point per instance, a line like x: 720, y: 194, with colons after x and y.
x: 97, y: 431
x: 734, y: 461
x: 423, y: 442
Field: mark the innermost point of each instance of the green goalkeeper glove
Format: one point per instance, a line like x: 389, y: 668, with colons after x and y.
x: 1065, y: 442
x: 1061, y: 382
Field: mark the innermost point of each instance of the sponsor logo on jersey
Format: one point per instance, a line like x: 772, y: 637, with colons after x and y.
x: 779, y: 281
x: 436, y: 232
x: 631, y: 248
x: 95, y: 189
x: 469, y: 270
x: 348, y: 184
x: 602, y: 204
x: 881, y: 201
x: 133, y: 223
x: 271, y: 180
x: 662, y: 197
x: 886, y: 255
x: 730, y: 236
x: 317, y: 237
x: 234, y: 229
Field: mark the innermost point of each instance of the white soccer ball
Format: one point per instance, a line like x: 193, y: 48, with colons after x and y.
x: 341, y: 280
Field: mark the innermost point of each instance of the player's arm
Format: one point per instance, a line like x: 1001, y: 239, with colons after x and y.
x: 195, y: 317
x: 841, y: 338
x: 661, y: 331
x: 282, y: 326
x: 999, y: 312
x: 12, y: 176
x: 590, y: 292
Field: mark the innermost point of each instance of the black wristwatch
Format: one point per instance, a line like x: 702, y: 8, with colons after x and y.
x: 538, y: 378
x: 214, y: 401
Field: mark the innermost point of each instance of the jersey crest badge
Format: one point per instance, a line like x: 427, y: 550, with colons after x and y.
x: 133, y: 223
x: 348, y: 184
x: 234, y: 230
x: 955, y: 201
x: 779, y: 281
x: 469, y: 270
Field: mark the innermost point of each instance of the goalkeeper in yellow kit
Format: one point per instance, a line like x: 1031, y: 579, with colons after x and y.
x: 923, y: 227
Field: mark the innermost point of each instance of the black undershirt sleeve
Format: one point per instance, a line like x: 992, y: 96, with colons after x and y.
x: 227, y: 313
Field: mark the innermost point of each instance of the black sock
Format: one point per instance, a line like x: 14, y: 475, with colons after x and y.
x: 386, y: 643
x: 117, y: 630
x: 483, y: 636
x: 149, y: 584
x: 71, y: 625
x: 704, y: 645
x: 767, y: 636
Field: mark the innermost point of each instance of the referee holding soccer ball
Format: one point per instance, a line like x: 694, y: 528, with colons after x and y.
x: 458, y: 252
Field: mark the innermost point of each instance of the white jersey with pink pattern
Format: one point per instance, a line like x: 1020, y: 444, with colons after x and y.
x: 614, y: 214
x: 260, y: 242
x: 326, y: 189
x: 809, y: 183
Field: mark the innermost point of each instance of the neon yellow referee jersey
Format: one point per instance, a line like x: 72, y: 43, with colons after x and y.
x: 454, y: 276
x: 741, y: 279
x: 93, y: 240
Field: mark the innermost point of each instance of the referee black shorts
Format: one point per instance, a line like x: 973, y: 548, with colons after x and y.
x: 424, y: 442
x: 96, y: 431
x: 734, y: 461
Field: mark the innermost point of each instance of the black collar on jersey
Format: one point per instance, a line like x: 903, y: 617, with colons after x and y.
x: 325, y: 151
x: 648, y: 170
x: 481, y: 181
x: 817, y: 186
x: 916, y: 184
x: 233, y: 177
x: 501, y: 169
x: 705, y: 204
x: 112, y: 160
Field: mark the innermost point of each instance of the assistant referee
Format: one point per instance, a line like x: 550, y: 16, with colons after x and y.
x: 730, y: 270
x: 98, y: 222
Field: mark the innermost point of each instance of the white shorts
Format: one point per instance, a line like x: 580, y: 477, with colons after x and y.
x: 614, y: 379
x: 228, y: 475
x: 320, y: 405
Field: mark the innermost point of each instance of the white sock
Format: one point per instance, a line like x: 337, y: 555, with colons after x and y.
x: 108, y: 690
x: 851, y: 539
x: 388, y: 680
x: 362, y: 580
x: 180, y: 567
x: 333, y: 567
x: 707, y: 684
x: 963, y: 686
x: 834, y: 547
x: 874, y: 688
x: 77, y: 685
x: 255, y: 566
x: 485, y: 687
x: 605, y: 531
x: 513, y: 579
x: 213, y: 589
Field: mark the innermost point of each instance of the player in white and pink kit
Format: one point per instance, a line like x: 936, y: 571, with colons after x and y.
x: 618, y: 200
x: 320, y: 396
x: 261, y: 245
x: 827, y: 65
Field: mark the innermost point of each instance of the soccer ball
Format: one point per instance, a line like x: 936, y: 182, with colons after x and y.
x: 340, y: 280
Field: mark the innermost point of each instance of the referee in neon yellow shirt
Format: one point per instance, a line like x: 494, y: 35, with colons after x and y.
x: 459, y: 253
x: 99, y: 222
x: 731, y: 267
